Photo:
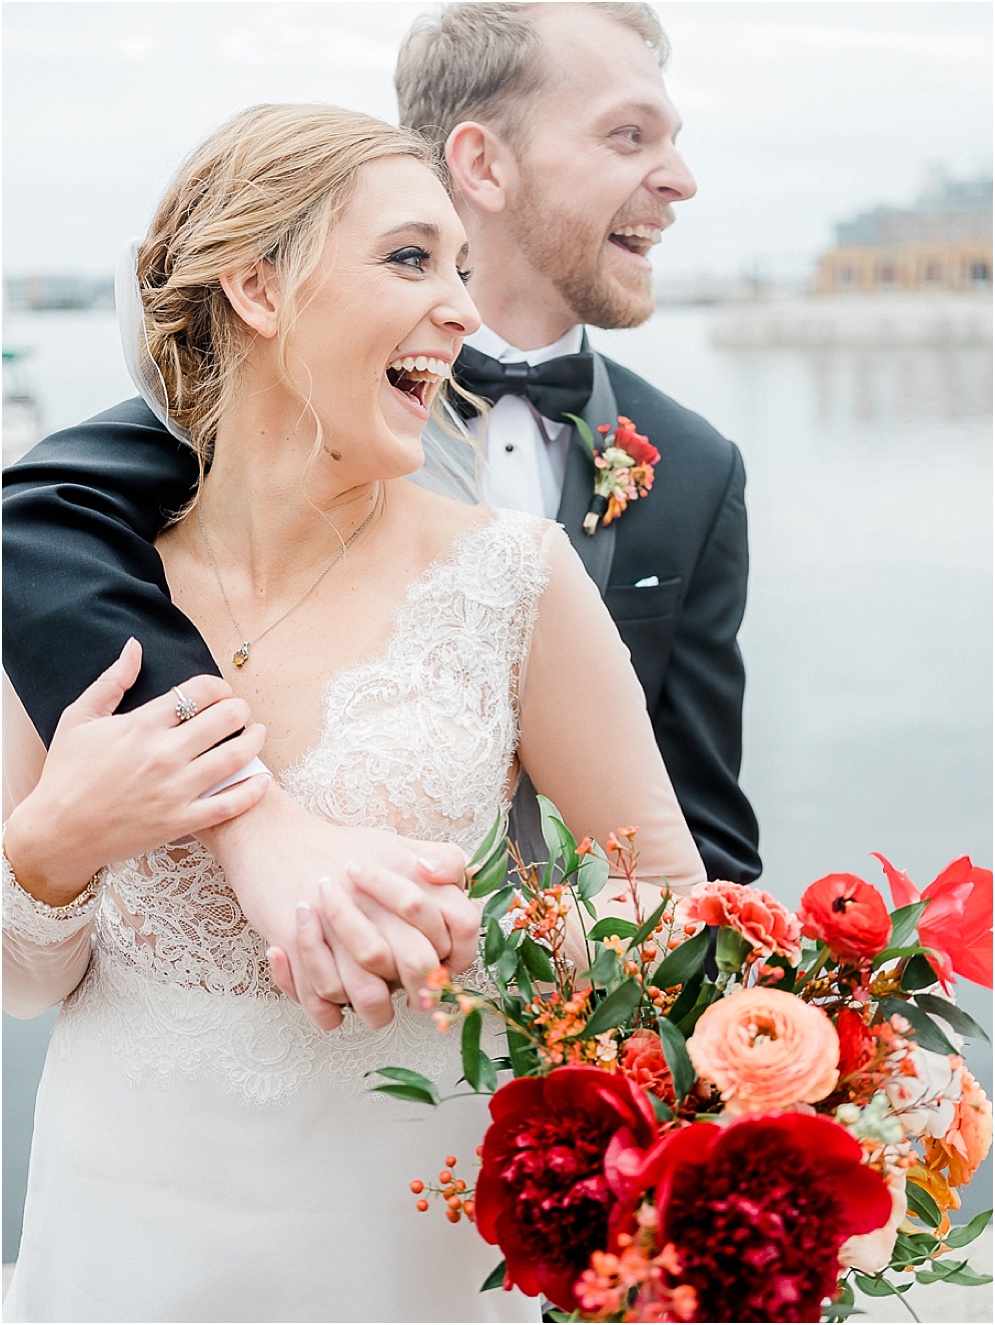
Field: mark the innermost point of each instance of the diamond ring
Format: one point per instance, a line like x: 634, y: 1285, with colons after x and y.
x: 185, y: 707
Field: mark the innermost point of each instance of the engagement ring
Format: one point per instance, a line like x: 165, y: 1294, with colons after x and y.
x: 185, y: 708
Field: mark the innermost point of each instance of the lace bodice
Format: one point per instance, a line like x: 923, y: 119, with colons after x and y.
x: 421, y: 741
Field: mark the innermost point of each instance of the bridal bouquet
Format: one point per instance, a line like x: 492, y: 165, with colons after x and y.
x: 726, y: 1135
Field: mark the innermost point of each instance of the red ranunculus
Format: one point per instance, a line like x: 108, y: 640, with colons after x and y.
x: 856, y: 1042
x: 542, y: 1195
x: 846, y: 914
x: 957, y: 924
x: 758, y: 1210
x: 635, y: 444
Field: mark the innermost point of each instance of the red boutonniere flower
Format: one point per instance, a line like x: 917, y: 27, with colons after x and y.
x: 624, y: 464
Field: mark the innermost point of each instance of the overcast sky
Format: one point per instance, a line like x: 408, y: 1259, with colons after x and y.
x: 797, y: 113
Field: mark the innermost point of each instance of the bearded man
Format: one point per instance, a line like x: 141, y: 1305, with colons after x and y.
x: 565, y: 174
x: 565, y: 187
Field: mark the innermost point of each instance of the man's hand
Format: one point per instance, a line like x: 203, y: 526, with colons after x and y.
x: 348, y: 912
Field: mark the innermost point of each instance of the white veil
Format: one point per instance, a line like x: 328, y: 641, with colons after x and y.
x: 452, y: 464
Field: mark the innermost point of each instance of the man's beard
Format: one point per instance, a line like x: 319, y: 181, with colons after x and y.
x: 570, y: 253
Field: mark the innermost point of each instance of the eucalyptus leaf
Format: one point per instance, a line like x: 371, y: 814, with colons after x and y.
x: 678, y: 966
x: 614, y: 1009
x: 951, y: 1014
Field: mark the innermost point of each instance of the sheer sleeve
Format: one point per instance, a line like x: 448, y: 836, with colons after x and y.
x: 586, y: 738
x: 46, y: 950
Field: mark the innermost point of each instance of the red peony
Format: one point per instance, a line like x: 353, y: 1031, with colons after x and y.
x: 957, y: 924
x: 846, y: 914
x: 642, y: 1060
x: 635, y: 444
x: 542, y: 1195
x: 757, y: 1211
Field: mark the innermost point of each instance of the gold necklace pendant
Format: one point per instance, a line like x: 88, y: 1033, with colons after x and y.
x: 241, y: 656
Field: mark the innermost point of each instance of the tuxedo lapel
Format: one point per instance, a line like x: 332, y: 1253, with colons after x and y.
x: 596, y: 551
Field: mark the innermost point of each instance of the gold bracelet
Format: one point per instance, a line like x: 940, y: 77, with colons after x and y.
x: 44, y: 907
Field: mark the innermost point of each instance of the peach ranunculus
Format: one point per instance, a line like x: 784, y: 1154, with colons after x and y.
x: 968, y: 1139
x: 766, y: 1050
x: 757, y: 917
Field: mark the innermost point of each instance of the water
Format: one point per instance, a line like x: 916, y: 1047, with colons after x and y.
x: 868, y: 632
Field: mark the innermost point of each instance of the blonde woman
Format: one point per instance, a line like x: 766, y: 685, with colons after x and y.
x: 202, y: 1151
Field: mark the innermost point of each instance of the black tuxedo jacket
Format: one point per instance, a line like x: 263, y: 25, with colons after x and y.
x: 82, y: 508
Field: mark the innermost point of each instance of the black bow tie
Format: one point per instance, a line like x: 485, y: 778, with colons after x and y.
x: 556, y: 387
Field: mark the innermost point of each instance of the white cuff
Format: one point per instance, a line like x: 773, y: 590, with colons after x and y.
x: 248, y: 770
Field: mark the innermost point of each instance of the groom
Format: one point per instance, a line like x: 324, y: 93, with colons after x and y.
x: 560, y: 140
x: 545, y: 179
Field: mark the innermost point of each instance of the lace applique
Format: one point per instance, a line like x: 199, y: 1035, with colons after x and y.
x: 419, y: 741
x: 27, y: 919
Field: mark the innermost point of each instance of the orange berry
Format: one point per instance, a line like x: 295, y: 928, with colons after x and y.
x: 445, y: 1176
x: 417, y: 1186
x: 460, y: 1185
x: 454, y: 1203
x: 450, y: 1161
x: 453, y: 1216
x: 421, y: 1205
x: 468, y: 1209
x: 479, y: 1151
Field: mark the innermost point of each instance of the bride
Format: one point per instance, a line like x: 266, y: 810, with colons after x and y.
x: 202, y: 1152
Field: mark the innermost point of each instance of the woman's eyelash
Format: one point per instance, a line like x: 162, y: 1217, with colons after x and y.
x: 464, y: 273
x: 412, y: 257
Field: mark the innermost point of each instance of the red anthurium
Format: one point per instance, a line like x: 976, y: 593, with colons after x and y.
x: 957, y: 924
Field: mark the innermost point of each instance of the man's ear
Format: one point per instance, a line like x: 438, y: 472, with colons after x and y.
x: 254, y: 294
x: 482, y: 166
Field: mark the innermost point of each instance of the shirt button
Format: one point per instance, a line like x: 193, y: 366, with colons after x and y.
x: 509, y: 447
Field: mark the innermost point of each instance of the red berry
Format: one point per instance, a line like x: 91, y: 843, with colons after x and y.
x: 453, y: 1216
x: 417, y: 1186
x: 450, y: 1161
x: 421, y: 1205
x: 445, y: 1176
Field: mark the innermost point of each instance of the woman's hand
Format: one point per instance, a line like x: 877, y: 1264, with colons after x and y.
x: 116, y: 785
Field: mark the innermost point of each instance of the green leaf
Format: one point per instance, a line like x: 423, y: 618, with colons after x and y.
x: 592, y: 873
x: 664, y: 1113
x: 951, y: 1014
x: 521, y: 1053
x: 506, y: 965
x: 922, y: 1204
x: 707, y: 995
x: 561, y: 1317
x: 676, y: 1054
x: 586, y: 436
x: 614, y: 1009
x: 406, y: 1093
x: 473, y: 1024
x: 523, y: 980
x: 495, y: 1279
x: 965, y: 1233
x: 494, y: 942
x: 538, y: 960
x: 648, y: 926
x: 407, y: 1078
x: 497, y: 904
x: 928, y: 1034
x: 879, y: 1287
x: 952, y: 1272
x: 686, y: 999
x: 557, y: 835
x: 787, y: 982
x: 604, y: 969
x: 495, y: 833
x: 490, y: 876
x: 918, y: 973
x: 612, y: 928
x: 678, y: 966
x: 904, y: 921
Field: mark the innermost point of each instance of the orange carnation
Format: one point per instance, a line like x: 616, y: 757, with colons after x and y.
x: 969, y: 1138
x: 766, y: 1050
x: 758, y: 917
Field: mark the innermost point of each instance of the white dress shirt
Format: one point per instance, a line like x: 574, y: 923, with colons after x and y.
x: 521, y: 469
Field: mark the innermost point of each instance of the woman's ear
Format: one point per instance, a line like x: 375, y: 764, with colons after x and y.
x: 482, y: 166
x: 254, y: 294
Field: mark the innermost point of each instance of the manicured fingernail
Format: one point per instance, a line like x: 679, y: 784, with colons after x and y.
x: 429, y: 864
x: 354, y: 869
x: 128, y: 644
x: 324, y: 889
x: 303, y: 913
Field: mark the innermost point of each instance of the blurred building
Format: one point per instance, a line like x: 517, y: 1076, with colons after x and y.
x: 942, y: 243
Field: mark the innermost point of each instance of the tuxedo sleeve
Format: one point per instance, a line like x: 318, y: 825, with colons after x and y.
x: 80, y: 513
x: 698, y: 719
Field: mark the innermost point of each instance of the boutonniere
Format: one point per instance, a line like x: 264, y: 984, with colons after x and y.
x: 624, y: 469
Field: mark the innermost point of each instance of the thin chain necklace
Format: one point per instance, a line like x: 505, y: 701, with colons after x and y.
x: 241, y: 655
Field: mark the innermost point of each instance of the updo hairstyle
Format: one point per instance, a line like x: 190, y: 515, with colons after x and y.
x: 270, y: 184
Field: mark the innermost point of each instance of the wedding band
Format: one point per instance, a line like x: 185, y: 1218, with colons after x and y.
x: 185, y: 707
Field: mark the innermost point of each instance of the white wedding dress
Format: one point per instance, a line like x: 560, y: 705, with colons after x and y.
x: 201, y: 1152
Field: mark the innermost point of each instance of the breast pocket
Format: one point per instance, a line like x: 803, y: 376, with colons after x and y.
x: 645, y: 618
